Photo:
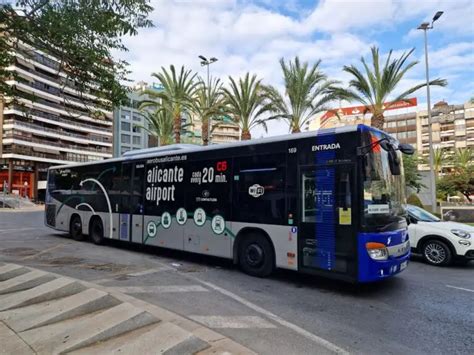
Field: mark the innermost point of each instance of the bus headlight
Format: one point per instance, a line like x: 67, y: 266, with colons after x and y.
x: 460, y: 233
x: 377, y: 251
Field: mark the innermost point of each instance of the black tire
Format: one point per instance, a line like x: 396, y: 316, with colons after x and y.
x: 75, y: 228
x: 436, y: 252
x: 97, y: 231
x: 256, y: 255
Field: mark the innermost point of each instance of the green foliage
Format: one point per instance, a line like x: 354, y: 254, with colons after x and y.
x: 247, y: 100
x: 374, y: 87
x: 307, y: 91
x: 461, y: 179
x: 413, y: 199
x: 177, y: 96
x: 208, y: 104
x: 81, y: 34
x: 412, y: 176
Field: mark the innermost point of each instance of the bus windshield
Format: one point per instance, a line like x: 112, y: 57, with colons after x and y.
x: 384, y: 193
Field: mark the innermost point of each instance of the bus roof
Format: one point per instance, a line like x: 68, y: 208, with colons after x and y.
x: 190, y: 148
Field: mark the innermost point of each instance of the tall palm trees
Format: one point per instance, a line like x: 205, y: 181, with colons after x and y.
x: 208, y: 103
x: 247, y: 101
x: 307, y: 89
x: 160, y: 124
x: 178, y: 90
x: 374, y: 87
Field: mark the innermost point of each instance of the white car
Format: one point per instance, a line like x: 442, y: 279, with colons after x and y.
x: 439, y: 242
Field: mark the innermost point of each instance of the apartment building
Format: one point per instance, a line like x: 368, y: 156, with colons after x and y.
x: 452, y: 127
x: 226, y: 132
x: 54, y: 124
x: 129, y: 120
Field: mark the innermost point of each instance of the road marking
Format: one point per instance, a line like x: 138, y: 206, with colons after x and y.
x: 303, y: 332
x: 235, y: 322
x: 44, y: 251
x: 460, y: 288
x: 160, y: 289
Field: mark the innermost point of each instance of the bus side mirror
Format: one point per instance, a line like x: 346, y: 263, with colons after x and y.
x: 406, y: 148
x: 394, y: 162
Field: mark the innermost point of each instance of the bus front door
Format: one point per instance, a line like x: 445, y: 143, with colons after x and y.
x: 326, y: 233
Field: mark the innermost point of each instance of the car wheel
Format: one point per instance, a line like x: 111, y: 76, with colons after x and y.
x: 75, y: 228
x: 256, y: 256
x: 97, y: 231
x: 437, y: 253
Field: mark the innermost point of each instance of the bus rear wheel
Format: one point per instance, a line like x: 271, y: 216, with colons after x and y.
x: 75, y: 228
x: 256, y: 256
x: 97, y: 231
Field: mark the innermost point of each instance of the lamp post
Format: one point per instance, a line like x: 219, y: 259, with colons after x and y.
x: 207, y: 62
x: 425, y: 26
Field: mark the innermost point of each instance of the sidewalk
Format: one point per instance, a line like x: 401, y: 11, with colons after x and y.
x: 22, y: 209
x: 46, y: 313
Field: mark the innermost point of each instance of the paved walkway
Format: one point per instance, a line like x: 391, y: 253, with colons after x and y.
x: 46, y: 313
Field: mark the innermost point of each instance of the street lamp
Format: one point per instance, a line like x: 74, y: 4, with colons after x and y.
x: 425, y: 26
x: 207, y: 62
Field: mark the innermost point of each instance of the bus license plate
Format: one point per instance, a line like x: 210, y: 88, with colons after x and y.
x: 403, y: 265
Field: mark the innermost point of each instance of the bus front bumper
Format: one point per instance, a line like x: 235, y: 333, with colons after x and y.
x: 371, y: 270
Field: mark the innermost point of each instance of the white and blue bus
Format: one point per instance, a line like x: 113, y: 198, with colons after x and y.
x: 328, y: 202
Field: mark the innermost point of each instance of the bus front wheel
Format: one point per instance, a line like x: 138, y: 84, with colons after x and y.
x: 256, y: 256
x: 97, y: 231
x: 75, y: 228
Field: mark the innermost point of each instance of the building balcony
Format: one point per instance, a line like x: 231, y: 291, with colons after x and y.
x: 53, y: 119
x: 12, y: 137
x: 55, y: 133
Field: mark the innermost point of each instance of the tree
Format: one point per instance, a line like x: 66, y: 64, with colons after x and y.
x: 160, y: 124
x: 209, y: 105
x: 307, y: 91
x: 177, y: 94
x: 439, y: 158
x: 461, y: 178
x: 412, y: 176
x: 247, y: 101
x: 82, y: 36
x: 373, y: 88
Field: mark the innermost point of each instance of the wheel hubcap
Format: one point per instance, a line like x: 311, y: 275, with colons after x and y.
x: 435, y: 253
x: 254, y: 255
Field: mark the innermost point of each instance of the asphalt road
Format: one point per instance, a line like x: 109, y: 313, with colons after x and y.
x: 424, y: 310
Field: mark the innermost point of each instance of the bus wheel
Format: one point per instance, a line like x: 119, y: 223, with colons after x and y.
x: 437, y: 253
x: 97, y: 231
x: 256, y: 256
x: 75, y: 228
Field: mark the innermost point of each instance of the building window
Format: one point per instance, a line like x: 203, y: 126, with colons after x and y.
x: 137, y: 117
x: 401, y: 123
x: 411, y: 122
x: 391, y: 124
x: 125, y: 126
x: 125, y: 138
x: 126, y: 115
x: 411, y: 134
x: 136, y: 140
x: 402, y: 135
x: 136, y: 129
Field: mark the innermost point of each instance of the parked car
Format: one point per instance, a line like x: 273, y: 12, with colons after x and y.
x: 439, y: 242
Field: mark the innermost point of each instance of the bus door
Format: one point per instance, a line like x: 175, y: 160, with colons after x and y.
x: 131, y: 202
x: 327, y: 234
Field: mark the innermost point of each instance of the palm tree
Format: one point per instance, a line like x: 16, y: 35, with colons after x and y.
x: 177, y: 94
x: 374, y: 88
x: 439, y: 158
x: 308, y: 91
x: 463, y: 157
x: 247, y: 101
x: 160, y: 124
x: 208, y: 104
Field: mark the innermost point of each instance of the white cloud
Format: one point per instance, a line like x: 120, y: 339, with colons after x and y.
x: 246, y: 36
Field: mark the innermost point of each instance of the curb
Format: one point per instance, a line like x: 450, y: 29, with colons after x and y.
x: 47, y: 313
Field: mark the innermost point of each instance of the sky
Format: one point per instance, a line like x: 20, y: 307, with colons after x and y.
x: 252, y: 35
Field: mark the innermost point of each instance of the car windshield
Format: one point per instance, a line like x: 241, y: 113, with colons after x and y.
x: 421, y: 215
x: 384, y: 193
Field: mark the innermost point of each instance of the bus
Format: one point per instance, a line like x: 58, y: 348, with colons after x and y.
x: 327, y: 202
